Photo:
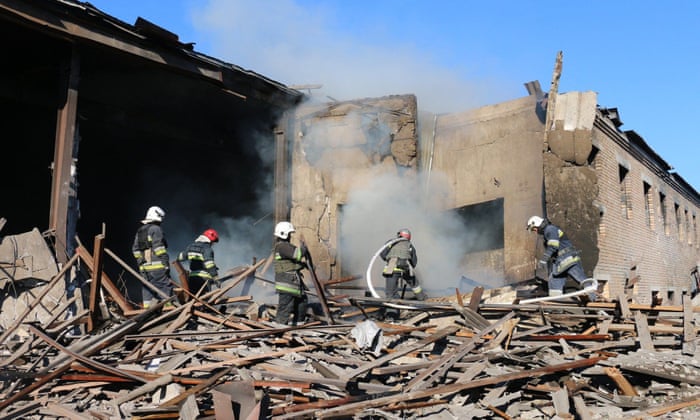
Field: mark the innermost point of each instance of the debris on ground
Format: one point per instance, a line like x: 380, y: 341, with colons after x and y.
x: 467, y: 356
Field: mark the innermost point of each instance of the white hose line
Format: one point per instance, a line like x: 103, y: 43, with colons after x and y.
x: 590, y: 286
x: 368, y: 275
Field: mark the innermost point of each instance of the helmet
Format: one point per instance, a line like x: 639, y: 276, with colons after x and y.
x: 535, y: 222
x: 404, y: 233
x: 154, y: 214
x: 212, y: 235
x: 283, y: 229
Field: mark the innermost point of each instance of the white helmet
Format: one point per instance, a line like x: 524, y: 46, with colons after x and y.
x: 534, y: 222
x: 283, y: 229
x: 154, y: 214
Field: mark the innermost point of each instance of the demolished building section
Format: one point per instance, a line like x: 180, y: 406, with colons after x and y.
x: 341, y: 148
x: 632, y: 218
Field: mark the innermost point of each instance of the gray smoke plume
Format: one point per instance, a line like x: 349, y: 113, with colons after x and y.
x: 377, y: 211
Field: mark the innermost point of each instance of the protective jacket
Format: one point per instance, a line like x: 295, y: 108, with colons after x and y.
x: 559, y: 247
x: 150, y: 248
x: 288, y: 264
x: 200, y: 256
x: 401, y: 257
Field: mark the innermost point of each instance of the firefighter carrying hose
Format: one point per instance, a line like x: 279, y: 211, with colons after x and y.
x: 401, y: 259
x: 289, y: 285
x: 203, y: 271
x: 150, y: 250
x: 566, y: 260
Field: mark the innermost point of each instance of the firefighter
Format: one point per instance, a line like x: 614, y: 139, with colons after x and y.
x: 200, y: 256
x: 289, y: 285
x: 150, y: 250
x: 565, y: 259
x: 401, y: 260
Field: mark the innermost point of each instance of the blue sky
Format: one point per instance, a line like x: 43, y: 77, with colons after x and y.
x: 641, y: 56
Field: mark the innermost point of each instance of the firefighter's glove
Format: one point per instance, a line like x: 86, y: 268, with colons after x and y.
x: 542, y: 263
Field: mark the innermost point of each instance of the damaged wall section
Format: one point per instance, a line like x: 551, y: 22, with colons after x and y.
x: 341, y: 148
x: 494, y: 153
x: 571, y: 185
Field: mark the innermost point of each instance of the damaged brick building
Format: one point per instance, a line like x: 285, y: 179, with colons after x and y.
x: 633, y: 219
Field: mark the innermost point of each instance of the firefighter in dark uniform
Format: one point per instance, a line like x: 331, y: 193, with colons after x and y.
x: 199, y: 254
x: 401, y: 259
x: 289, y: 285
x: 565, y: 259
x: 150, y: 250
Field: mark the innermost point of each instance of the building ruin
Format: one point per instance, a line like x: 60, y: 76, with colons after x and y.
x: 116, y: 117
x: 485, y: 172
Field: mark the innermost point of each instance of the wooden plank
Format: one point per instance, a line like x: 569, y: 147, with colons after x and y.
x: 655, y: 329
x: 643, y: 331
x: 149, y: 386
x: 689, y: 335
x: 107, y: 282
x: 622, y: 383
x: 209, y: 382
x: 658, y: 411
x: 560, y: 398
x: 475, y: 298
x: 625, y: 312
x: 320, y: 291
x: 605, y: 326
x: 582, y: 410
x: 96, y: 284
x: 184, y: 278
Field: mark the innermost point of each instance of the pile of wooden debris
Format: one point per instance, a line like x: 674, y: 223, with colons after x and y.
x: 476, y: 355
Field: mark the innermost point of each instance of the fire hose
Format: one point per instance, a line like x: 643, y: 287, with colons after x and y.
x: 368, y: 275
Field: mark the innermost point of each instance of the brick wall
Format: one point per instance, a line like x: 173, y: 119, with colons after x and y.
x: 633, y: 239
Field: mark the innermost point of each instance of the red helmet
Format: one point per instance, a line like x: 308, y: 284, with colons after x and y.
x: 212, y: 235
x: 404, y: 233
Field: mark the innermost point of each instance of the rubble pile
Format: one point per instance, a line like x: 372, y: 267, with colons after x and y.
x: 475, y: 355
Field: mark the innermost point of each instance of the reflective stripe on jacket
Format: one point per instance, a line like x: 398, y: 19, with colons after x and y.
x: 150, y: 248
x: 559, y: 247
x: 200, y: 257
x: 400, y: 257
x: 287, y: 268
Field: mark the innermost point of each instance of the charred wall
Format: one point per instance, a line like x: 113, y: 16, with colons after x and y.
x: 339, y: 148
x: 570, y: 183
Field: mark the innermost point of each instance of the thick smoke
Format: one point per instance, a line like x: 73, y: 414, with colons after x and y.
x: 245, y: 231
x: 377, y: 211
